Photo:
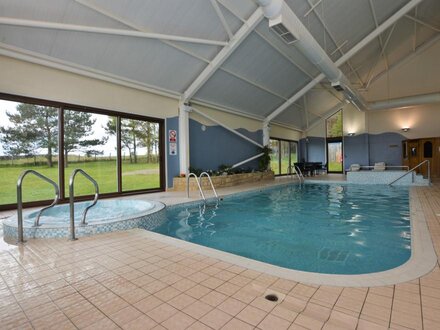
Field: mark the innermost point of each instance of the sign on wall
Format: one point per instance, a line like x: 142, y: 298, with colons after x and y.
x: 172, y: 142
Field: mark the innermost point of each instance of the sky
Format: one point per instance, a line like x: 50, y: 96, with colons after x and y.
x: 98, y: 130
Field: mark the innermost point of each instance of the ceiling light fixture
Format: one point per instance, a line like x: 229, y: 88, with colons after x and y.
x: 405, y: 129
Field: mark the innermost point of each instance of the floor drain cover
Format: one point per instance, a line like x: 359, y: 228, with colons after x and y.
x: 271, y: 297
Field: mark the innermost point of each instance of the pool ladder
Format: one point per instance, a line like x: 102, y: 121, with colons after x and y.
x: 297, y: 172
x: 199, y: 184
x: 20, y: 201
x: 55, y: 201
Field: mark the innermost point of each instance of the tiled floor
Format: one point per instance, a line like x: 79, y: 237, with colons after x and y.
x: 128, y: 280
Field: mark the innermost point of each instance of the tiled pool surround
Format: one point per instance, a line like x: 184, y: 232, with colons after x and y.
x: 149, y: 218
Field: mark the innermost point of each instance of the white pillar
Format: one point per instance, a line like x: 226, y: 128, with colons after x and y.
x: 266, y: 133
x: 183, y: 135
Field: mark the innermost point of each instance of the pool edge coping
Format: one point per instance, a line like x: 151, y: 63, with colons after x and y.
x: 422, y: 260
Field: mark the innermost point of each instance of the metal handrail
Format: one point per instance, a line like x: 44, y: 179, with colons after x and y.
x: 412, y: 170
x: 210, y: 181
x: 72, y: 199
x: 299, y: 173
x: 387, y: 166
x: 198, y: 185
x: 20, y: 200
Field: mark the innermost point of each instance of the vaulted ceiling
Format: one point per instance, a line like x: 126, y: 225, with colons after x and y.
x: 164, y: 45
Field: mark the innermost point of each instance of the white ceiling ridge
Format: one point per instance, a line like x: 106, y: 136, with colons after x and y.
x: 108, y: 31
x: 354, y: 50
x: 407, y: 101
x: 420, y: 49
x: 223, y: 55
x: 48, y: 61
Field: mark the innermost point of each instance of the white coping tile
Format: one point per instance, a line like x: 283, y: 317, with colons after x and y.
x: 422, y: 260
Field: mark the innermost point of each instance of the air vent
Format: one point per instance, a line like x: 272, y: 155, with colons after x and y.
x: 338, y: 86
x: 283, y: 33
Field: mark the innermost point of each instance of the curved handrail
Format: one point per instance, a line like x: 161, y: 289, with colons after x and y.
x: 198, y: 185
x: 72, y: 199
x: 412, y: 170
x: 210, y: 181
x: 20, y: 200
x: 299, y: 173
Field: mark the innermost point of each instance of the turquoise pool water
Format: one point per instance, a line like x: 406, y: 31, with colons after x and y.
x: 324, y: 228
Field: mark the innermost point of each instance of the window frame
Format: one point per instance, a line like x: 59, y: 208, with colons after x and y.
x: 62, y: 106
x: 290, y: 154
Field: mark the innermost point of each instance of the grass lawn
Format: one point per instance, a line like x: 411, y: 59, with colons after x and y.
x: 334, y: 167
x: 284, y: 165
x: 134, y: 176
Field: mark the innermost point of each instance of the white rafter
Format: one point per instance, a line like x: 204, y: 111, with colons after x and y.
x: 376, y: 23
x: 361, y: 44
x: 432, y: 27
x: 224, y: 54
x: 222, y: 18
x: 100, y: 30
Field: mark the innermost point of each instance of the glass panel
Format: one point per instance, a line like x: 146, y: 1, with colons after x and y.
x: 90, y: 144
x: 285, y: 153
x: 140, y: 154
x: 334, y: 153
x: 28, y: 140
x: 427, y: 149
x: 334, y: 125
x: 293, y: 155
x: 275, y: 156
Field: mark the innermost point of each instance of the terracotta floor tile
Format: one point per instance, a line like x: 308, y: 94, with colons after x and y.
x: 251, y: 315
x: 162, y: 312
x: 147, y: 304
x: 274, y: 322
x: 141, y: 323
x: 214, y: 298
x: 215, y: 319
x: 232, y: 306
x: 178, y: 321
x: 103, y: 324
x: 236, y: 324
x: 308, y: 322
x: 125, y: 315
x: 197, y: 309
x: 181, y: 301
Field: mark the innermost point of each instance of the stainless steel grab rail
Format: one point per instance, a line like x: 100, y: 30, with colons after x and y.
x: 72, y: 199
x: 210, y: 181
x: 198, y: 185
x: 20, y: 200
x: 412, y: 170
x: 299, y: 173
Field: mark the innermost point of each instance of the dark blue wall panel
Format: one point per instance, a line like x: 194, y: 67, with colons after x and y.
x: 313, y: 149
x: 356, y: 150
x: 172, y: 160
x: 217, y: 146
x: 386, y: 147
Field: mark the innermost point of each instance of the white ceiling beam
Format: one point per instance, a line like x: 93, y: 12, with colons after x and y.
x: 130, y: 24
x: 361, y: 44
x: 108, y: 31
x: 432, y: 27
x: 223, y: 55
x: 326, y: 29
x: 376, y: 23
x: 420, y: 49
x: 222, y: 18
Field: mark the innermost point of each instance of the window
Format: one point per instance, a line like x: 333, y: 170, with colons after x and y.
x: 283, y: 156
x: 121, y: 152
x: 427, y: 149
x: 334, y: 143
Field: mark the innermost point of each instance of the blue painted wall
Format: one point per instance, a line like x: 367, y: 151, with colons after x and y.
x: 172, y: 160
x: 312, y: 149
x: 216, y: 146
x: 386, y: 147
x: 356, y: 150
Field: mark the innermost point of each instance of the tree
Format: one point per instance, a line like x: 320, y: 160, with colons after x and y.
x: 334, y: 125
x: 150, y: 137
x: 132, y: 135
x: 33, y: 127
x: 77, y: 126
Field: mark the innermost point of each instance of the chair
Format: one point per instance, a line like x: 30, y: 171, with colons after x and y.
x: 355, y: 167
x: 379, y: 166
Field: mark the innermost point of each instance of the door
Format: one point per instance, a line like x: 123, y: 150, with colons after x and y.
x: 334, y: 156
x: 413, y: 154
x: 429, y: 151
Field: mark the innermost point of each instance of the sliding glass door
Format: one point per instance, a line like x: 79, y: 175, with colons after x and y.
x: 283, y: 156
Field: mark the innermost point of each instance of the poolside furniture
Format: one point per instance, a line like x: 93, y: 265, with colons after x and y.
x: 379, y: 166
x: 309, y: 168
x: 355, y: 167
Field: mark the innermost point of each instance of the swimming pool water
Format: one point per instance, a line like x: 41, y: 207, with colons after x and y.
x: 325, y: 228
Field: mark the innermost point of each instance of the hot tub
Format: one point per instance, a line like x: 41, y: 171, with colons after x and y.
x: 105, y: 216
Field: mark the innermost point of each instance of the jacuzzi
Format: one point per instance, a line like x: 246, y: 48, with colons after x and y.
x: 106, y: 216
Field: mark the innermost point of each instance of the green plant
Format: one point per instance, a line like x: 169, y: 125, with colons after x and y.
x: 264, y: 161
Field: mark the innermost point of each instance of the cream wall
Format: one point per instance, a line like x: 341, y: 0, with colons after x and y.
x: 423, y: 121
x: 33, y: 80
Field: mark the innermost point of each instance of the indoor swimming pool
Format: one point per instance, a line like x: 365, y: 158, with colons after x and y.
x: 322, y: 228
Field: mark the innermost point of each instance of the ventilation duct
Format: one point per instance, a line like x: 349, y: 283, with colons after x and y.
x: 280, y: 30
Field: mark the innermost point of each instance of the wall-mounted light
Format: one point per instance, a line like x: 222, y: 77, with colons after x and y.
x: 350, y: 134
x: 405, y: 129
